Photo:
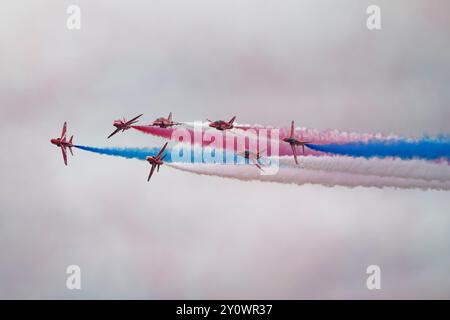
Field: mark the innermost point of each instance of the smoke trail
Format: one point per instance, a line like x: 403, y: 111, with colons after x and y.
x: 408, y: 169
x: 156, y: 131
x: 184, y: 153
x: 248, y: 136
x: 235, y: 140
x: 324, y: 143
x: 329, y: 171
x: 130, y: 153
x: 318, y: 137
x: 301, y: 176
x: 428, y: 149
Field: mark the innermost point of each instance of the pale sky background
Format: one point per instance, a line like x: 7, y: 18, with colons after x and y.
x: 189, y: 236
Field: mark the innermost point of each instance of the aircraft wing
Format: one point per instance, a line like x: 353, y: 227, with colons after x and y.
x: 162, y: 150
x: 294, y: 151
x: 115, y: 131
x: 151, y: 172
x: 134, y: 119
x: 261, y: 152
x: 305, y: 143
x: 292, y: 129
x: 255, y: 162
x: 64, y: 129
x: 64, y: 154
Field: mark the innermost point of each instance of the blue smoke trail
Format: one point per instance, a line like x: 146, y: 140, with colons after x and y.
x: 130, y: 153
x: 426, y: 149
x: 197, y: 155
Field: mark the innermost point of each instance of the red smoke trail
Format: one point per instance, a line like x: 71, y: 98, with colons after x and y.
x: 252, y: 132
x: 237, y: 141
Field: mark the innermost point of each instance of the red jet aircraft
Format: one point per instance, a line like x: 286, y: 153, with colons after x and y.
x: 222, y: 125
x: 164, y: 122
x: 293, y: 141
x: 63, y: 143
x: 253, y: 157
x: 156, y: 161
x: 123, y: 125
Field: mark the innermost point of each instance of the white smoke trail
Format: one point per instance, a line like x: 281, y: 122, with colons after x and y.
x: 325, y: 136
x: 333, y: 171
x: 386, y: 167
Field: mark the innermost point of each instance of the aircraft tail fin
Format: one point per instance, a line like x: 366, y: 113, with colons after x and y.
x: 170, y: 116
x: 292, y: 135
x: 70, y: 146
x: 232, y: 120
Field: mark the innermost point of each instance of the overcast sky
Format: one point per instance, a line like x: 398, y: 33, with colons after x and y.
x: 189, y: 236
